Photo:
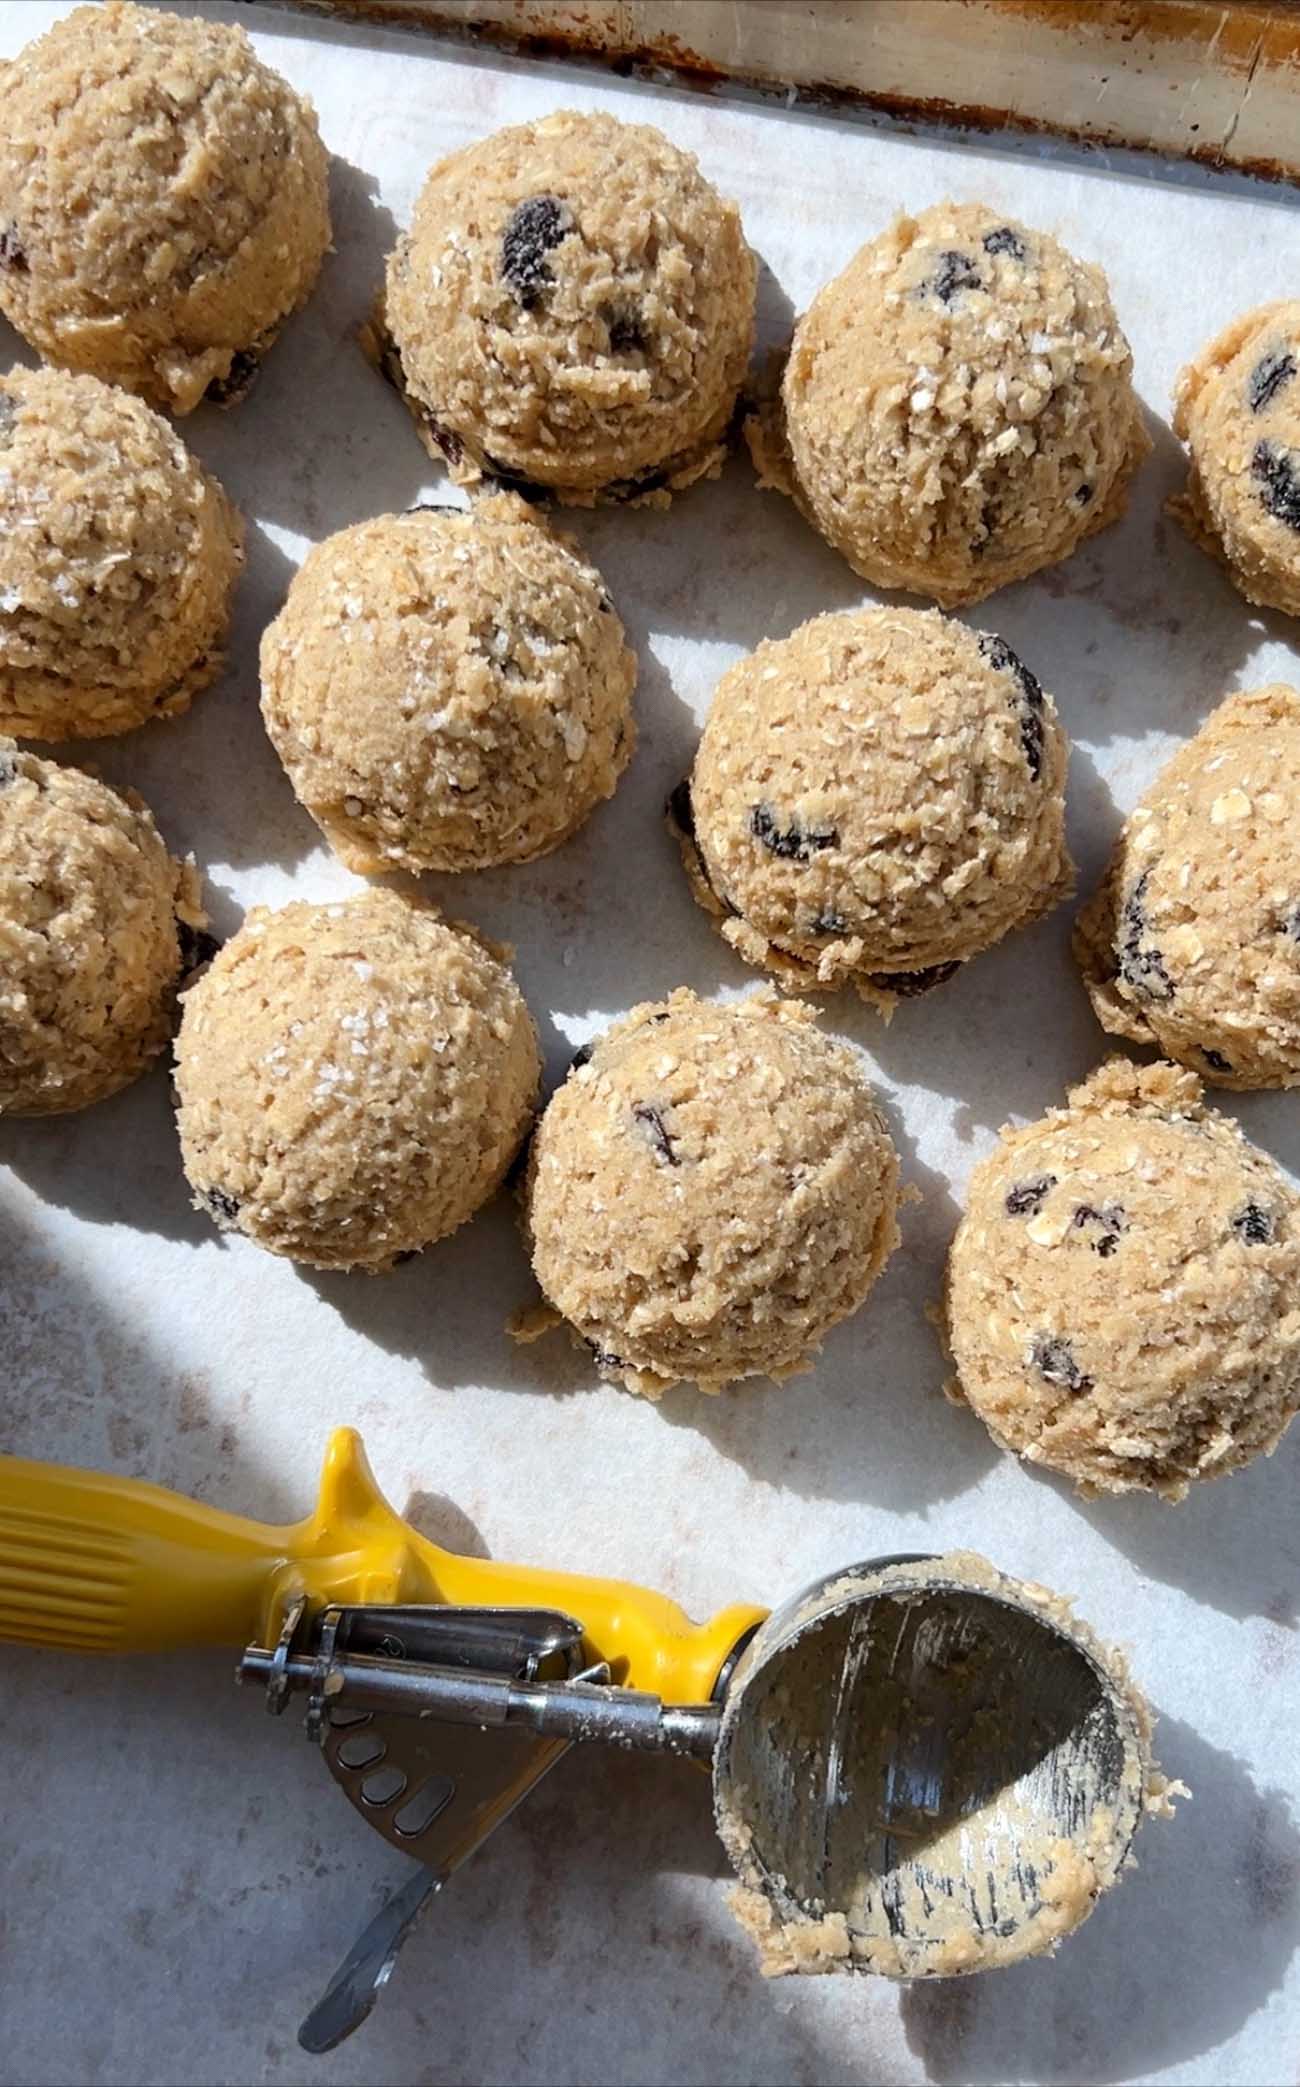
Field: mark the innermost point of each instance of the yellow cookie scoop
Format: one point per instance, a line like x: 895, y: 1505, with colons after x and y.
x: 920, y: 1766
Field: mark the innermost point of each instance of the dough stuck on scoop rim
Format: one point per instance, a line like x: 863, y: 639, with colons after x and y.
x: 779, y: 1772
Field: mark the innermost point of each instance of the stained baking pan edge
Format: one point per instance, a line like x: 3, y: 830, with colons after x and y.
x: 1219, y: 85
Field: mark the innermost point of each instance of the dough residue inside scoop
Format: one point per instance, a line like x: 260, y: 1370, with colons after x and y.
x: 917, y: 1778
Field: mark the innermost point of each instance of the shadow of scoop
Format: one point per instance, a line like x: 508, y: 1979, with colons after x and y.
x: 1179, y: 1957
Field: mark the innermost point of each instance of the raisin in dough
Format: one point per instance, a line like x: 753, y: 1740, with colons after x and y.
x: 98, y: 923
x: 1192, y: 941
x: 710, y: 1191
x: 163, y: 201
x: 1237, y: 407
x: 353, y: 1080
x: 876, y: 798
x: 956, y: 410
x: 448, y: 690
x: 573, y: 306
x: 118, y: 555
x: 1123, y: 1294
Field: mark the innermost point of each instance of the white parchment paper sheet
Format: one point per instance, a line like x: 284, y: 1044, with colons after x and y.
x: 179, y: 1874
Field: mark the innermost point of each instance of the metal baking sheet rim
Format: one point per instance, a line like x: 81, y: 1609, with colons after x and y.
x: 1218, y: 85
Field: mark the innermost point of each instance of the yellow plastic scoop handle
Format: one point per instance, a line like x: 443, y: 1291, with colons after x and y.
x: 95, y: 1563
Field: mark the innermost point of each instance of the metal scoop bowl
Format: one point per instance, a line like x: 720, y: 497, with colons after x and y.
x: 925, y: 1768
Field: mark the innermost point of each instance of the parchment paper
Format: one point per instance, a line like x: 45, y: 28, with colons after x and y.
x: 179, y: 1874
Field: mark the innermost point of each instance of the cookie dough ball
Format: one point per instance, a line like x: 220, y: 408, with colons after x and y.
x: 163, y: 201
x: 710, y: 1192
x: 98, y: 924
x: 118, y: 556
x: 1192, y: 941
x: 572, y: 306
x: 876, y: 798
x: 1123, y: 1297
x: 448, y: 689
x: 1237, y: 407
x: 956, y: 410
x: 352, y: 1080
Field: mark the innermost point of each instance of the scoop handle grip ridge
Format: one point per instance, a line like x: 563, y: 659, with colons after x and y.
x: 96, y: 1563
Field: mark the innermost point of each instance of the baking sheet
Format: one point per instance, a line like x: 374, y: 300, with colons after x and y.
x: 1210, y: 83
x: 180, y: 1876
